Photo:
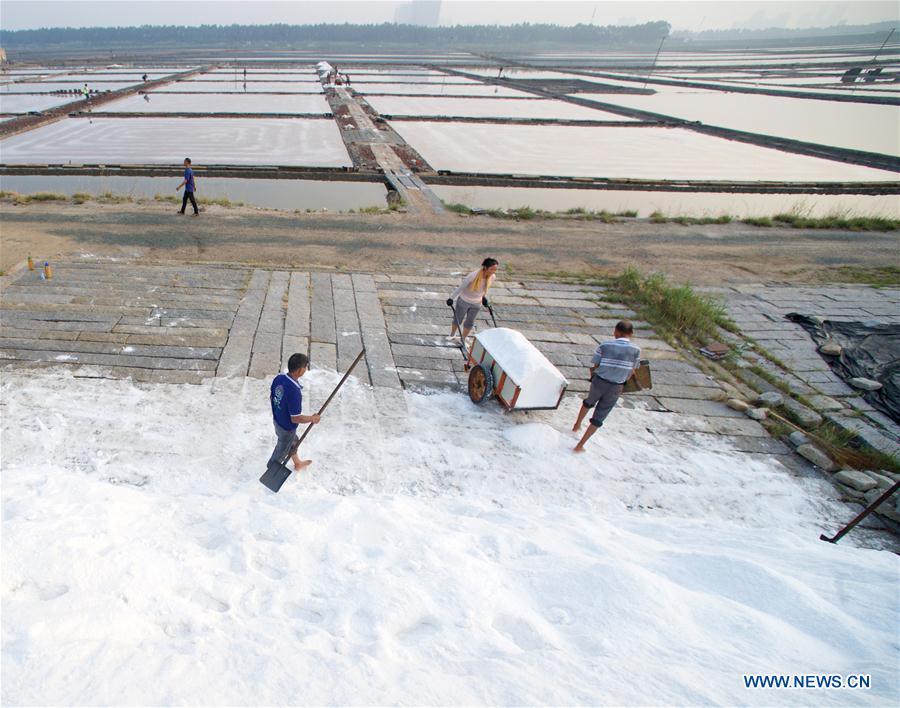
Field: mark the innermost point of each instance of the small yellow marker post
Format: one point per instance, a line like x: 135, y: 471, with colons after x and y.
x: 30, y: 263
x: 48, y: 271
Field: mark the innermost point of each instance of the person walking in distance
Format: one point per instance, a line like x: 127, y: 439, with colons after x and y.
x: 189, y: 188
x: 611, y: 366
x: 470, y: 296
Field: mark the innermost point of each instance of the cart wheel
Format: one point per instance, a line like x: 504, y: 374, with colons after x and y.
x: 481, y: 384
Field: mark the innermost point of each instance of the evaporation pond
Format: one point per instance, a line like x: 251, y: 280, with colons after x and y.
x: 208, y: 141
x: 736, y: 204
x: 48, y: 86
x: 241, y: 87
x: 487, y: 108
x: 857, y: 126
x: 616, y: 152
x: 304, y: 78
x: 440, y: 88
x: 158, y: 102
x: 23, y: 103
x: 267, y: 193
x: 418, y: 79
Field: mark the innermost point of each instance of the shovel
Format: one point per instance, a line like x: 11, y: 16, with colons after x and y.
x: 493, y: 319
x: 277, y: 471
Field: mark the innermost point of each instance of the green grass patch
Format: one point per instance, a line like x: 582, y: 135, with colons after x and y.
x: 170, y: 198
x: 762, y: 221
x: 675, y: 310
x: 657, y: 217
x: 774, y: 380
x: 457, y: 208
x: 527, y: 213
x: 847, y: 450
x: 41, y: 197
x: 81, y: 197
x: 111, y: 198
x: 879, y: 276
x: 219, y: 201
x: 837, y: 221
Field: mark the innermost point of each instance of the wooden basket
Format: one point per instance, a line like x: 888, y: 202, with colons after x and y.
x: 640, y: 380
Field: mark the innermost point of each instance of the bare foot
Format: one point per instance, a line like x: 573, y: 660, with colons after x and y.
x: 301, y: 464
x: 578, y: 449
x: 576, y: 428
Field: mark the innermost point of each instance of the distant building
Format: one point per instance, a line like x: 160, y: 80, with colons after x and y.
x: 426, y: 13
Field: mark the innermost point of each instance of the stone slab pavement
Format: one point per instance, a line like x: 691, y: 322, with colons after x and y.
x: 189, y: 323
x: 759, y: 310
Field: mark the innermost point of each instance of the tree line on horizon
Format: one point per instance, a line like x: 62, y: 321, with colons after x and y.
x: 295, y: 36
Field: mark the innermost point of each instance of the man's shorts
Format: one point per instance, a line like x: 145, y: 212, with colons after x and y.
x: 285, y: 440
x: 466, y: 313
x: 603, y: 395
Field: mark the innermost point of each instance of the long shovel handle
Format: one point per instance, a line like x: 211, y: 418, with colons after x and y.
x: 493, y: 319
x: 309, y: 427
x: 862, y: 515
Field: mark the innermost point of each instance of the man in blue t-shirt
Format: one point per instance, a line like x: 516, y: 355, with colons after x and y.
x: 286, y: 398
x: 189, y: 188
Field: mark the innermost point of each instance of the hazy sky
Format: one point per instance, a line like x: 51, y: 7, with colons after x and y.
x: 682, y: 14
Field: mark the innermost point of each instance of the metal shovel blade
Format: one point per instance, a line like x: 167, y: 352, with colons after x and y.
x: 275, y: 475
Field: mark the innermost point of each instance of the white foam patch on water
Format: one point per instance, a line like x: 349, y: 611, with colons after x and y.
x: 447, y: 554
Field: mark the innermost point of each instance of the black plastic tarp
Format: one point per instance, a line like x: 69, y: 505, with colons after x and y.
x: 868, y: 350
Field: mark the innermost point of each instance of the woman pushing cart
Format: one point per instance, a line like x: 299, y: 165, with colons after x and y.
x: 470, y: 296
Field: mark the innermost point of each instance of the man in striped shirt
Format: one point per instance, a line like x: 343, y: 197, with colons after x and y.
x: 611, y: 366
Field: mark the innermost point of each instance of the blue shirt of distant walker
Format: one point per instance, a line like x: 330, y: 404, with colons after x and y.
x: 287, y: 400
x: 615, y: 360
x: 188, y: 179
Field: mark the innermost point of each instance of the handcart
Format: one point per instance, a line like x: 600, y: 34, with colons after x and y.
x: 504, y: 364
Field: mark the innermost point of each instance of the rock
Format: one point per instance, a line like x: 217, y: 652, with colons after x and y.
x: 857, y: 480
x: 803, y: 416
x: 864, y: 384
x: 737, y: 404
x: 770, y: 399
x: 817, y: 457
x: 831, y: 349
x: 882, y: 481
x: 824, y: 403
x: 853, y: 494
x: 797, y: 438
x: 757, y: 413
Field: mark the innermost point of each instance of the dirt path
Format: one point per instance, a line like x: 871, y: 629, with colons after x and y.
x: 705, y: 255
